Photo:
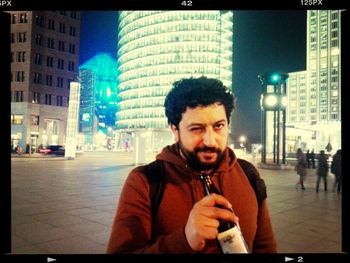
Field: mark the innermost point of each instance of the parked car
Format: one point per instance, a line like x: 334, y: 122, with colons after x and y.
x: 53, y: 149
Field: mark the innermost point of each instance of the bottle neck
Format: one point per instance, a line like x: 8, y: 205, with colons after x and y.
x: 208, y: 185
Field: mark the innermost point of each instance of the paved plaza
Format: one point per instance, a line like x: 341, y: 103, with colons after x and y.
x: 64, y: 206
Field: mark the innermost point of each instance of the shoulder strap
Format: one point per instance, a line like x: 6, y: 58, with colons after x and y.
x: 154, y: 172
x: 257, y: 183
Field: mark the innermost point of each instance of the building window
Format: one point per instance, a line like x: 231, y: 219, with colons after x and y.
x: 37, y: 59
x: 49, y: 62
x: 48, y: 99
x: 50, y: 43
x: 60, y: 45
x: 71, y: 65
x: 59, y: 101
x: 36, y: 97
x: 59, y: 82
x: 334, y: 42
x: 49, y: 80
x: 13, y: 39
x: 334, y: 34
x: 37, y: 78
x: 334, y: 16
x: 62, y: 28
x: 23, y: 17
x: 18, y: 96
x: 60, y: 63
x: 51, y: 24
x: 72, y: 48
x: 16, y: 119
x: 21, y: 37
x: 38, y: 39
x: 35, y: 120
x: 334, y: 116
x: 13, y: 18
x: 21, y: 56
x: 71, y: 30
x: 20, y: 76
x: 39, y: 20
x: 73, y: 14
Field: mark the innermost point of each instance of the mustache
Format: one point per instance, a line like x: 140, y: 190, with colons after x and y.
x: 207, y: 149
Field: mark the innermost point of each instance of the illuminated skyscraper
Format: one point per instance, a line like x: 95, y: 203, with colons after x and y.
x: 157, y: 48
x: 314, y: 95
x: 98, y: 99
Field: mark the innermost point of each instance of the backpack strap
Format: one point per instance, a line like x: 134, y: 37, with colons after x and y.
x: 257, y: 183
x: 154, y: 172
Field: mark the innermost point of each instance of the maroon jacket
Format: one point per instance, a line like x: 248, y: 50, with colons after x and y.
x: 132, y: 226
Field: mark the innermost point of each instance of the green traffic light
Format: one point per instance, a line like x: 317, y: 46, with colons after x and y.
x: 275, y: 77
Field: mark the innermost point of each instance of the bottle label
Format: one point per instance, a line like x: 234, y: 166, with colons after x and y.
x: 232, y: 241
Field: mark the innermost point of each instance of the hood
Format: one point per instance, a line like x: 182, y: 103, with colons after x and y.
x: 172, y: 155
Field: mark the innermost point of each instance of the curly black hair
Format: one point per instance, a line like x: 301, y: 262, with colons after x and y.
x: 194, y: 92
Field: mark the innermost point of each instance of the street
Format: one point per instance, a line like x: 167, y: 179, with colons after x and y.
x: 64, y: 206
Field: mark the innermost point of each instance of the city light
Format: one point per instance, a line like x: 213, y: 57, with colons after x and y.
x: 271, y: 101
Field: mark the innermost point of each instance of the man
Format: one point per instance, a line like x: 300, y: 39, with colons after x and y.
x: 198, y: 112
x: 308, y: 159
x: 336, y: 169
x: 322, y: 170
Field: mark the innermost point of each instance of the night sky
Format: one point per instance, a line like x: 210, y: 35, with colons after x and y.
x: 264, y: 41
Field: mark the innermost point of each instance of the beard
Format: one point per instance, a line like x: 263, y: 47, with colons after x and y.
x: 196, y: 163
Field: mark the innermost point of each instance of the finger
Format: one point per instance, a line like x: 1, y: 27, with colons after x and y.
x: 208, y: 219
x: 217, y: 212
x: 215, y: 199
x: 209, y: 232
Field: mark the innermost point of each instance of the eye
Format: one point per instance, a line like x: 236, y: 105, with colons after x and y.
x: 195, y: 129
x: 219, y: 126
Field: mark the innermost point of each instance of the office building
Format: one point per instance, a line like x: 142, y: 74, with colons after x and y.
x: 314, y: 95
x: 44, y: 60
x: 157, y: 48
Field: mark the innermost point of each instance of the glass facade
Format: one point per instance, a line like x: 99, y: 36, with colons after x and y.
x: 98, y: 100
x: 157, y: 48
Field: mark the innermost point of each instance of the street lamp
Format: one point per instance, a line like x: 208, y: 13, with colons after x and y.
x: 273, y: 99
x: 242, y: 139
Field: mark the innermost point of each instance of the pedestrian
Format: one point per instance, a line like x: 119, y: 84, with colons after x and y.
x: 300, y: 168
x: 19, y: 150
x: 322, y: 170
x: 308, y: 158
x: 198, y: 112
x: 336, y: 169
x: 312, y: 158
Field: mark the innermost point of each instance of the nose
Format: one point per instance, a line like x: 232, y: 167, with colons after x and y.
x: 209, y: 138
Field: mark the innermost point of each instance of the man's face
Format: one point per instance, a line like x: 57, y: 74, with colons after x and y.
x: 202, y: 135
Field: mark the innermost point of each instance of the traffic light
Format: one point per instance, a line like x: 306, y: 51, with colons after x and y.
x: 275, y: 77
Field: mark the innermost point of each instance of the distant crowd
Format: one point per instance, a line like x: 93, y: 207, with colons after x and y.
x: 305, y: 161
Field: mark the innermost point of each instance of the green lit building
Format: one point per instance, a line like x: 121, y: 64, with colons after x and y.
x: 98, y: 98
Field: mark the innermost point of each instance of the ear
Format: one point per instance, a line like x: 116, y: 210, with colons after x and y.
x: 175, y: 132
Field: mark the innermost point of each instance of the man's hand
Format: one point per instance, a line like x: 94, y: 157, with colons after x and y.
x: 202, y: 223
